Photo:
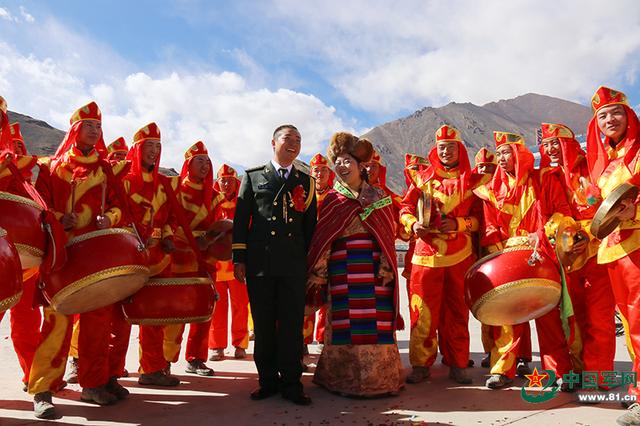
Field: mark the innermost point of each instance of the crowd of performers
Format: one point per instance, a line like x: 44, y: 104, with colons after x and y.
x: 352, y: 283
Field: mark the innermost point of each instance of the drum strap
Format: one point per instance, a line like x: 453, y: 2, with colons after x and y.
x: 182, y: 221
x: 55, y: 255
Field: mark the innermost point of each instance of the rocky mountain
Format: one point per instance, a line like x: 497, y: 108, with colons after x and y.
x: 415, y: 133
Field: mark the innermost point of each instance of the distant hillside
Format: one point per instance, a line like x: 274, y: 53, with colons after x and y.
x: 415, y: 133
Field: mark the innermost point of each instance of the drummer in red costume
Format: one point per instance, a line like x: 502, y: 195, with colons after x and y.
x: 515, y: 206
x: 152, y: 215
x: 613, y: 154
x: 117, y: 150
x: 77, y: 190
x: 592, y: 342
x: 196, y: 197
x: 377, y: 175
x: 323, y: 175
x: 442, y: 255
x: 233, y: 294
x: 24, y: 319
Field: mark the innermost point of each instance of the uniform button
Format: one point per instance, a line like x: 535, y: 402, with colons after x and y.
x: 273, y: 218
x: 275, y: 203
x: 273, y: 232
x: 289, y: 234
x: 290, y: 219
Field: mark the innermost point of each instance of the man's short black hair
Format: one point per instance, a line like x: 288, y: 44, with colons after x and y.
x: 281, y: 129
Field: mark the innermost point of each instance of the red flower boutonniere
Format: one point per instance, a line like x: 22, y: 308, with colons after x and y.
x: 298, y: 197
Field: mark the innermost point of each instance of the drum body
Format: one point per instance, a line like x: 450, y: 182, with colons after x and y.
x: 503, y: 289
x: 21, y: 217
x: 11, y: 273
x: 171, y: 301
x: 220, y: 249
x: 102, y: 268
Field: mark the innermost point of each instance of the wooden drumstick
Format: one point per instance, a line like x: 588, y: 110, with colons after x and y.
x: 73, y: 196
x: 103, y: 201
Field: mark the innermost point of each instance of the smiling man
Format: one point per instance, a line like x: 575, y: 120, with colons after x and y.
x: 274, y: 222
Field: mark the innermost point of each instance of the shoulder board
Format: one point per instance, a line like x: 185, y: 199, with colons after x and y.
x: 254, y: 169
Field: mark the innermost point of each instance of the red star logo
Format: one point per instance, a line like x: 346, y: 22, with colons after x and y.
x: 535, y: 379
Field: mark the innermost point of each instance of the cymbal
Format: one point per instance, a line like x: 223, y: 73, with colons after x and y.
x: 605, y: 219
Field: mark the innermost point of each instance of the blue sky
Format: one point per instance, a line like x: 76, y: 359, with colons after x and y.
x: 228, y: 72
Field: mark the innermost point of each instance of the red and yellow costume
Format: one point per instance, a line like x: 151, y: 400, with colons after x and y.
x: 319, y: 317
x: 514, y: 207
x: 24, y: 319
x: 151, y: 213
x: 610, y: 165
x: 592, y: 342
x: 197, y: 201
x: 231, y: 291
x: 76, y: 186
x: 439, y: 314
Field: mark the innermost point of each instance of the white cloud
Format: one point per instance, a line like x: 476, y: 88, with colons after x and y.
x: 26, y: 15
x: 396, y: 56
x: 6, y: 15
x: 233, y: 120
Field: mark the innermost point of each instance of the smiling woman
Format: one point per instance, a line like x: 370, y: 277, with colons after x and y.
x: 352, y: 260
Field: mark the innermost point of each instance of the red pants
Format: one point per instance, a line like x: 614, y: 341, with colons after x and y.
x: 118, y: 342
x: 237, y: 292
x: 594, y: 309
x: 439, y: 314
x: 51, y: 354
x: 509, y: 340
x: 625, y: 282
x: 25, y: 326
x: 196, y: 341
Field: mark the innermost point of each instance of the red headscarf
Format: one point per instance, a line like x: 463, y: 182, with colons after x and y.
x: 449, y: 134
x: 148, y: 132
x: 571, y: 150
x: 524, y: 162
x: 596, y: 154
x: 227, y: 171
x: 207, y: 184
x: 320, y: 160
x: 6, y: 145
x: 87, y: 112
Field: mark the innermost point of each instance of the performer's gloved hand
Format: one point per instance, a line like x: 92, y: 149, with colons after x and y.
x: 69, y: 221
x: 103, y: 222
x: 202, y: 242
x: 420, y: 230
x: 627, y: 211
x: 240, y: 272
x: 580, y: 242
x: 167, y: 245
x: 448, y: 225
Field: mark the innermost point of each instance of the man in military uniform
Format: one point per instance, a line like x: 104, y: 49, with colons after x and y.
x: 273, y: 225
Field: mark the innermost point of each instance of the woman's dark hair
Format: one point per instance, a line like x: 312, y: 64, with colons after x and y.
x: 364, y: 174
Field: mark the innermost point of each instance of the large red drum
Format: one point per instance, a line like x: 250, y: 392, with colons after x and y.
x: 504, y: 288
x: 171, y: 301
x: 21, y: 217
x: 103, y: 267
x: 11, y: 273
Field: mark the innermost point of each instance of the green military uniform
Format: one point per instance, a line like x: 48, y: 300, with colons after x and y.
x: 273, y: 225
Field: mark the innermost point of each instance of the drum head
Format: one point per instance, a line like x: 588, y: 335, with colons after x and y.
x: 99, y: 293
x: 605, y: 219
x: 517, y: 302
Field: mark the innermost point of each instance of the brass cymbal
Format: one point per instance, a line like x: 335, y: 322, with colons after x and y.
x: 605, y: 219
